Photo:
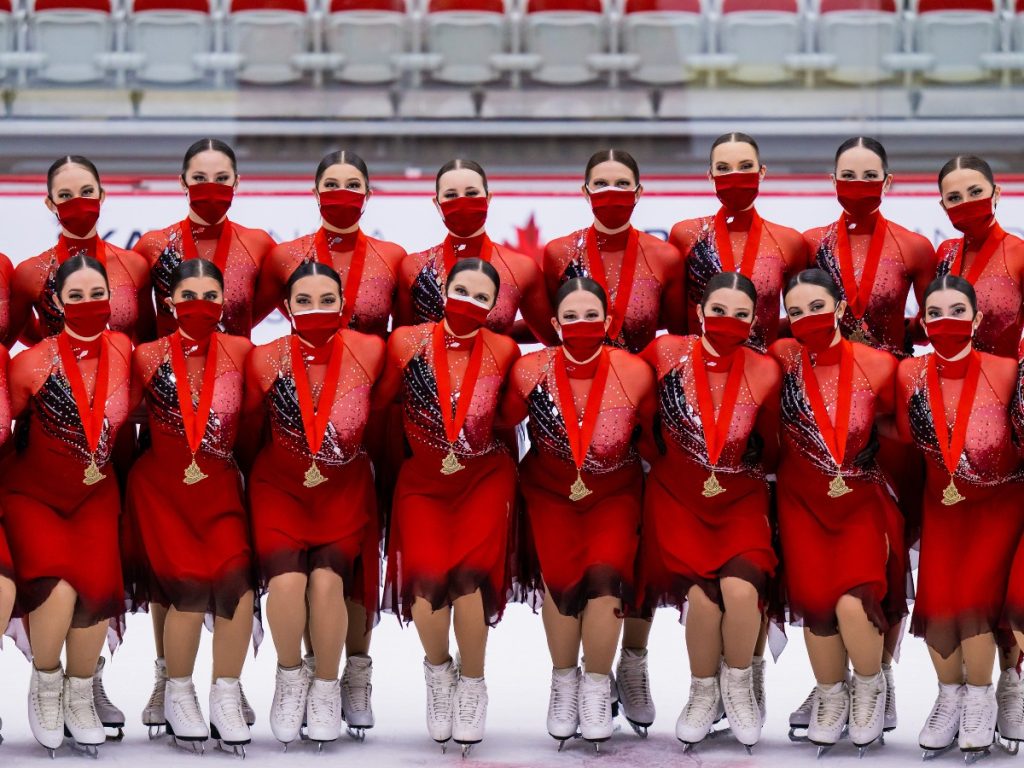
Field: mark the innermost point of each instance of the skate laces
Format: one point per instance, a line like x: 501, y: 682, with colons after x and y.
x: 976, y: 713
x: 48, y: 702
x: 100, y: 693
x: 323, y: 706
x: 862, y: 698
x: 807, y: 706
x: 703, y: 703
x: 470, y: 698
x: 564, y: 701
x: 356, y: 682
x: 595, y: 701
x: 156, y: 698
x: 633, y: 680
x: 943, y: 711
x: 288, y: 698
x: 80, y: 704
x: 229, y: 707
x: 441, y: 690
x: 1009, y: 694
x: 738, y: 693
x: 186, y: 705
x: 831, y: 707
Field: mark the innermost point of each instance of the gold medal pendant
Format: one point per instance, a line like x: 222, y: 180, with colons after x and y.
x: 579, y: 490
x: 313, y: 477
x: 450, y: 464
x: 838, y: 487
x: 712, y: 487
x: 92, y: 473
x: 951, y: 495
x: 193, y: 474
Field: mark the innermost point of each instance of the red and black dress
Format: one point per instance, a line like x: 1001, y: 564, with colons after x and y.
x: 973, y: 519
x: 60, y: 495
x: 6, y: 561
x: 582, y: 492
x: 187, y: 502
x: 34, y: 315
x: 706, y: 518
x: 994, y: 265
x: 453, y: 503
x: 768, y: 253
x: 310, y: 490
x: 837, y: 523
x: 6, y: 276
x: 238, y: 251
x: 642, y: 277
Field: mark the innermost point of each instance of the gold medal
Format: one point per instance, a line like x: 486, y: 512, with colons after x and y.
x: 838, y: 487
x: 579, y: 489
x: 450, y: 464
x: 313, y: 476
x: 712, y: 487
x: 951, y: 495
x: 193, y: 474
x: 92, y: 473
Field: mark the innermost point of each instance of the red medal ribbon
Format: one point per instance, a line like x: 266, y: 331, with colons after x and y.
x: 581, y: 431
x: 995, y: 237
x: 64, y: 253
x: 857, y: 296
x: 90, y: 413
x: 453, y: 422
x: 833, y: 435
x: 625, y: 286
x: 314, y: 419
x: 952, y: 448
x: 716, y: 430
x: 355, y: 270
x: 220, y: 255
x: 448, y: 252
x: 195, y: 419
x: 723, y: 243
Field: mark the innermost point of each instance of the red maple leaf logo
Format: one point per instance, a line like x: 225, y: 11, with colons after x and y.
x: 528, y: 241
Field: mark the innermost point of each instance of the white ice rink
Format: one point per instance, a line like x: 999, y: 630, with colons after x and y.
x: 518, y: 671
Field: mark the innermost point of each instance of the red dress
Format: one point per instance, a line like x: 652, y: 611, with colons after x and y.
x: 58, y: 527
x: 245, y: 252
x: 968, y: 548
x: 6, y: 276
x: 6, y: 562
x: 195, y: 537
x: 781, y: 254
x: 423, y: 274
x: 296, y: 528
x: 449, y: 534
x: 656, y: 297
x: 999, y: 285
x: 377, y: 281
x: 845, y: 545
x: 34, y: 315
x: 689, y: 539
x: 587, y: 548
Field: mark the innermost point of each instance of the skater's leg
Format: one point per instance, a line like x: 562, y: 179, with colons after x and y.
x: 471, y: 633
x: 949, y: 669
x: 862, y: 639
x: 979, y: 657
x: 49, y: 625
x: 357, y: 640
x: 328, y: 621
x: 7, y: 592
x: 828, y: 657
x: 564, y: 634
x: 741, y: 622
x: 635, y: 633
x: 762, y: 637
x: 703, y: 634
x: 158, y: 615
x: 83, y: 648
x: 601, y: 626
x: 182, y: 630
x: 433, y: 628
x: 231, y: 639
x: 286, y: 614
x: 892, y: 641
x: 1008, y: 657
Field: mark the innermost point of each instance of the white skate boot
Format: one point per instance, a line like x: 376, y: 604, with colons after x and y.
x: 595, y: 706
x: 564, y: 705
x: 247, y: 711
x: 323, y: 711
x: 183, y: 718
x: 81, y: 723
x: 1010, y: 696
x: 227, y: 716
x: 109, y: 715
x: 291, y: 686
x: 46, y: 708
x: 441, y: 682
x: 867, y: 709
x: 940, y: 729
x: 800, y: 718
x: 356, y: 691
x: 634, y: 689
x: 740, y: 703
x: 891, y: 721
x: 977, y: 721
x: 470, y: 712
x: 702, y: 711
x: 830, y: 714
x: 758, y: 666
x: 153, y: 714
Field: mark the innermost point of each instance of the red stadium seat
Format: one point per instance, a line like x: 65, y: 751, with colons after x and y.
x: 664, y: 34
x: 760, y: 6
x: 663, y: 6
x: 103, y: 6
x: 574, y: 6
x: 931, y: 6
x: 390, y: 6
x: 466, y: 6
x: 291, y: 6
x: 864, y: 6
x: 563, y: 34
x: 176, y: 6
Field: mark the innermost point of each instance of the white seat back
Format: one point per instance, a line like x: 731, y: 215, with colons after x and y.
x: 663, y: 40
x: 957, y: 40
x: 369, y: 40
x: 170, y: 41
x: 760, y: 40
x: 563, y: 40
x: 859, y: 40
x: 466, y: 39
x: 268, y: 41
x: 71, y: 40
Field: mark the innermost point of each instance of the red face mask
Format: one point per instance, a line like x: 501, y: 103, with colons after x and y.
x: 815, y: 331
x: 317, y: 327
x: 974, y: 218
x: 210, y: 201
x: 342, y: 208
x: 613, y: 207
x: 737, y: 191
x: 464, y: 315
x: 583, y: 339
x: 464, y: 216
x: 949, y: 335
x: 79, y: 215
x: 859, y: 198
x: 87, y: 318
x: 725, y: 334
x: 198, y: 318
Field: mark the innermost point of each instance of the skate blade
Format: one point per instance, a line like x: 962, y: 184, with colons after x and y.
x: 640, y: 729
x: 1009, y: 746
x: 356, y: 733
x: 115, y: 737
x: 562, y: 741
x: 798, y: 734
x: 156, y: 730
x: 971, y: 756
x: 89, y: 750
x: 929, y: 753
